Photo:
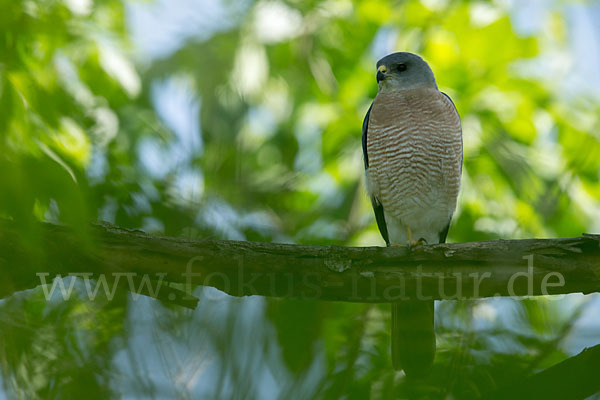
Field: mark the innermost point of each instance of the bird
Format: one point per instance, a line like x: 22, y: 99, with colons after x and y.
x: 412, y: 148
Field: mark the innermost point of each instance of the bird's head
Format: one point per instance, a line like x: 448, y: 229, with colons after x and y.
x: 399, y: 71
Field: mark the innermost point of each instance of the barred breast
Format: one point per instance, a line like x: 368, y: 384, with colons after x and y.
x: 414, y: 145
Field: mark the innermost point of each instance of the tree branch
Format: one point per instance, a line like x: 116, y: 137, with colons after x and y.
x: 358, y: 274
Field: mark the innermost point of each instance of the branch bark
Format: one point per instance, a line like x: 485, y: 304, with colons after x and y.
x: 357, y: 274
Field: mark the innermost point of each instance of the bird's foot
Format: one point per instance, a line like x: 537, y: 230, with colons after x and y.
x: 415, y: 243
x: 398, y: 245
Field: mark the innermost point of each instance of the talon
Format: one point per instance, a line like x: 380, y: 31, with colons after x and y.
x: 398, y: 245
x: 414, y: 243
x: 419, y: 242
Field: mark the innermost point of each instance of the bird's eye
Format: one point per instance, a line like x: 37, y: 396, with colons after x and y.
x: 401, y: 67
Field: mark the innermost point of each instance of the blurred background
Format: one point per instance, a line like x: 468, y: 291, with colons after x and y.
x: 242, y: 120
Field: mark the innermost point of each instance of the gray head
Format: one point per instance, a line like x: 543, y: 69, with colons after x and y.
x: 399, y: 71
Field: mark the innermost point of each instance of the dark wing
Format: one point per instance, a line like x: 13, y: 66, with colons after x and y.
x: 377, y: 207
x: 461, y: 154
x: 364, y: 137
x: 444, y: 233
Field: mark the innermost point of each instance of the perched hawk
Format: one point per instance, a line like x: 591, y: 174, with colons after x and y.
x: 412, y: 145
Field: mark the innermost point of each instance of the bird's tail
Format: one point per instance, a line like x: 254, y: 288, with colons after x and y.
x: 413, y: 337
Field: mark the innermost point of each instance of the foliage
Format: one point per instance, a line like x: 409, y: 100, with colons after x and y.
x: 89, y: 133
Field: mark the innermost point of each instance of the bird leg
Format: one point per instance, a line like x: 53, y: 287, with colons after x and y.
x: 411, y: 242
